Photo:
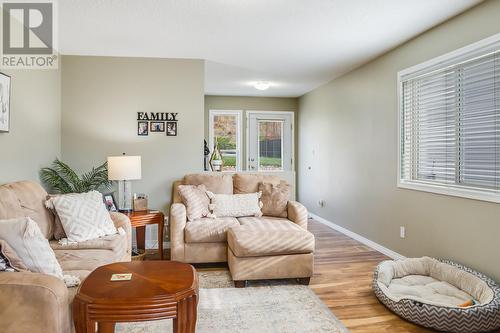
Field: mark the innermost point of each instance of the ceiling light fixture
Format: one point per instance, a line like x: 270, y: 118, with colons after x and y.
x: 262, y: 85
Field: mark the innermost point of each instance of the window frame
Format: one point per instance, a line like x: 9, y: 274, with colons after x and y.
x: 450, y: 59
x: 239, y: 130
x: 270, y: 114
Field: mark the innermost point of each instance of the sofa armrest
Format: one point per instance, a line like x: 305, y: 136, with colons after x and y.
x: 178, y: 221
x: 122, y: 221
x: 33, y: 302
x: 297, y: 213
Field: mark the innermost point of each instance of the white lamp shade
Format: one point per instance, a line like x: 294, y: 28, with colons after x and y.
x: 124, y: 167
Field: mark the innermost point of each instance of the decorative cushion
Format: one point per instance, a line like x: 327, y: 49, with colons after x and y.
x: 209, y: 230
x: 220, y: 183
x: 9, y: 260
x: 83, y: 216
x: 249, y: 182
x: 58, y: 228
x: 195, y: 198
x: 274, y: 198
x: 246, y: 241
x: 25, y: 237
x: 235, y: 205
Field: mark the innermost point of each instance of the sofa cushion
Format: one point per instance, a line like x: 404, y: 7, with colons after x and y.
x: 89, y: 259
x: 195, y: 198
x: 220, y: 183
x: 58, y: 230
x: 110, y: 242
x: 208, y: 230
x: 268, y: 223
x: 23, y: 235
x: 9, y: 260
x: 235, y: 205
x: 275, y: 198
x: 26, y: 199
x: 249, y: 183
x: 83, y: 215
x: 249, y: 241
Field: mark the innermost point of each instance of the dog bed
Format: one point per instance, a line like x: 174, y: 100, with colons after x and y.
x: 439, y: 294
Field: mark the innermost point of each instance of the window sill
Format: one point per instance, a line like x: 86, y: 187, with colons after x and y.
x: 482, y: 195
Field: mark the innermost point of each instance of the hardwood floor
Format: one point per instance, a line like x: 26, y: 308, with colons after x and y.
x: 342, y: 279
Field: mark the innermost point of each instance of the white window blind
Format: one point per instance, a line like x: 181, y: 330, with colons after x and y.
x: 450, y: 123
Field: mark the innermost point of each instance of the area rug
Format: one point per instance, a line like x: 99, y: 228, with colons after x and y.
x: 268, y: 306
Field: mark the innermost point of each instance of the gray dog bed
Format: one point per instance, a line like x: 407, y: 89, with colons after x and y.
x: 439, y: 294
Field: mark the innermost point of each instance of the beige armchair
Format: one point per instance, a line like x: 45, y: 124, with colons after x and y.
x: 238, y: 241
x: 34, y: 302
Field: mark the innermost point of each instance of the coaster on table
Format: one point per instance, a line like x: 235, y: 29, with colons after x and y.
x: 121, y: 277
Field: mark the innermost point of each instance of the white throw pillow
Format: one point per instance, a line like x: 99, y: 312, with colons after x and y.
x: 25, y: 237
x: 235, y: 205
x: 83, y: 216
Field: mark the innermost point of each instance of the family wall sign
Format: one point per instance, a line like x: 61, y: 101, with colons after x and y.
x: 157, y: 122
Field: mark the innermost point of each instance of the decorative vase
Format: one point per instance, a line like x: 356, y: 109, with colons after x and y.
x: 216, y: 162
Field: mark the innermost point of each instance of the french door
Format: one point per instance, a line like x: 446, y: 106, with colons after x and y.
x: 270, y: 141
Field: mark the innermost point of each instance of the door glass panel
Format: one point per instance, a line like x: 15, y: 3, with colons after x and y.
x: 270, y: 145
x: 225, y: 130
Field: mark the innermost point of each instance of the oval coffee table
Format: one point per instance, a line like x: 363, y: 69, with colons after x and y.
x: 157, y: 290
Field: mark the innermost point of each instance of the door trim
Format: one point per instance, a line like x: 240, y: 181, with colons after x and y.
x: 247, y: 133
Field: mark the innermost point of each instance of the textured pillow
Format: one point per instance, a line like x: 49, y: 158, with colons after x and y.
x: 83, y: 216
x: 9, y: 260
x: 235, y: 205
x: 274, y: 198
x: 24, y: 236
x: 195, y: 198
x: 58, y: 228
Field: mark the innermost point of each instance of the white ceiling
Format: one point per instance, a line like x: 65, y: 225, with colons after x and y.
x: 297, y: 45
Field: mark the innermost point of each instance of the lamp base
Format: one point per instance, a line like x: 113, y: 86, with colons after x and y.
x: 125, y: 196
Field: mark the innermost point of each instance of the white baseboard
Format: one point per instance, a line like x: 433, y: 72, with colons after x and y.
x: 359, y: 238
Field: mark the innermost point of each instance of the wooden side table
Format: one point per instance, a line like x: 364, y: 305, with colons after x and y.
x: 140, y: 219
x: 157, y: 290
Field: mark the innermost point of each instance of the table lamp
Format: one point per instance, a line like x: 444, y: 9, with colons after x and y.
x: 124, y: 169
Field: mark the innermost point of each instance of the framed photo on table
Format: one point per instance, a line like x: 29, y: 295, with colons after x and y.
x: 109, y: 201
x: 4, y: 102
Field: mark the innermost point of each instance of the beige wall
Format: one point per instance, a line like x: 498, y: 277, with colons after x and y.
x: 248, y: 104
x: 348, y: 136
x: 100, y: 100
x: 34, y: 140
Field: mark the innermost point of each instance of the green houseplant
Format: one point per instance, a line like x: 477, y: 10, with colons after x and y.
x: 60, y: 178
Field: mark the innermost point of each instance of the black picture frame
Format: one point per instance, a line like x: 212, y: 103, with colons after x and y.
x: 171, y: 128
x: 157, y: 126
x: 142, y: 128
x: 5, y: 84
x: 109, y: 202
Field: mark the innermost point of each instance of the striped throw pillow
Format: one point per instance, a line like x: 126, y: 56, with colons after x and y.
x: 195, y: 199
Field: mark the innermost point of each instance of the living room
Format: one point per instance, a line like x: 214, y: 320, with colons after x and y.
x: 281, y: 166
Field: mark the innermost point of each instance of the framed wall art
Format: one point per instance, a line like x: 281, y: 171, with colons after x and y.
x: 4, y: 102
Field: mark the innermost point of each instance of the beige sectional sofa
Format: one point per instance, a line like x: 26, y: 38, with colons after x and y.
x: 254, y: 247
x: 34, y: 302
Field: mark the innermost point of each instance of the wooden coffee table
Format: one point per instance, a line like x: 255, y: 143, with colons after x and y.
x: 157, y: 290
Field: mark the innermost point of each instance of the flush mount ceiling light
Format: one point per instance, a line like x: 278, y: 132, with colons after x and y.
x: 262, y: 85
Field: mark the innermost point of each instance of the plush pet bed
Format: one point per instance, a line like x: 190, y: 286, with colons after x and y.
x: 439, y: 294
